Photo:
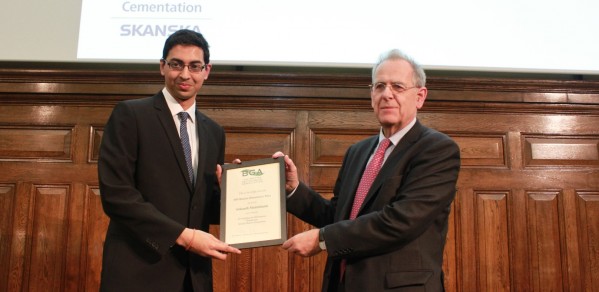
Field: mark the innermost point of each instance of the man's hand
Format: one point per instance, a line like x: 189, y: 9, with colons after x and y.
x: 291, y: 178
x: 205, y: 244
x: 304, y: 244
x: 219, y: 169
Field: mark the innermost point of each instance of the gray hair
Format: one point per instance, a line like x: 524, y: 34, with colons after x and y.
x: 419, y: 77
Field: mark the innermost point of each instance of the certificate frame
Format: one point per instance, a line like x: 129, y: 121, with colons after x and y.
x: 253, y: 210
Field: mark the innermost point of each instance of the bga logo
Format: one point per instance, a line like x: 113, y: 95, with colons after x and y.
x: 252, y: 172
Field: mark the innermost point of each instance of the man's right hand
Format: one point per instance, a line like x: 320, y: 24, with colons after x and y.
x: 291, y: 178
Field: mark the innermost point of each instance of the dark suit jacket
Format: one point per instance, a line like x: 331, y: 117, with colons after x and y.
x: 146, y: 192
x: 396, y: 242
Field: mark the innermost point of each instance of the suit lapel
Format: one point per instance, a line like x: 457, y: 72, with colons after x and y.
x: 202, y: 133
x: 169, y: 127
x: 394, y: 158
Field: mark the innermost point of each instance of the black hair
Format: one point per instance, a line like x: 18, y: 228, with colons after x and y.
x: 187, y: 37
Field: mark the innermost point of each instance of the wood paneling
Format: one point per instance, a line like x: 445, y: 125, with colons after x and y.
x: 492, y: 240
x: 94, y: 224
x: 561, y: 150
x: 525, y: 217
x: 7, y: 200
x: 588, y: 229
x: 479, y: 150
x: 21, y: 143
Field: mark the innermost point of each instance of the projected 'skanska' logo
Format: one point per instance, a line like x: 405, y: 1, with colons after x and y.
x: 251, y: 172
x: 143, y: 30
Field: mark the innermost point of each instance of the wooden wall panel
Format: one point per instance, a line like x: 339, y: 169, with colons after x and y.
x: 545, y: 228
x: 95, y: 138
x: 46, y: 249
x: 561, y: 150
x: 94, y: 225
x: 492, y: 240
x: 328, y: 147
x: 588, y: 227
x: 48, y: 143
x: 481, y: 150
x: 19, y: 235
x: 525, y: 216
x: 7, y: 199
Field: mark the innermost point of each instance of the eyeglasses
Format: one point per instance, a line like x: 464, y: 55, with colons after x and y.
x: 194, y: 67
x: 396, y: 87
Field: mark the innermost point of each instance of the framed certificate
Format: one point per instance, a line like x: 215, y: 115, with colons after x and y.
x: 253, y: 209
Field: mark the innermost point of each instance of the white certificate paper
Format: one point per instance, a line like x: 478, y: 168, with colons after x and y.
x: 253, y: 211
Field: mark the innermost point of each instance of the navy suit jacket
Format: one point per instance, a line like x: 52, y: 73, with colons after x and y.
x: 396, y: 242
x: 146, y: 192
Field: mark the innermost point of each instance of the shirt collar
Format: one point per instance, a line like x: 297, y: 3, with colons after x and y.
x: 397, y: 136
x: 176, y: 108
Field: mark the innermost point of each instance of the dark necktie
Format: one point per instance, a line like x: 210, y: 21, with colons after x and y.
x: 183, y: 116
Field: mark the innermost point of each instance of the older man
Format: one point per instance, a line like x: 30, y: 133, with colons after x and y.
x: 385, y: 227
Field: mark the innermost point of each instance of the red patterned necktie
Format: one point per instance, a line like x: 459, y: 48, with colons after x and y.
x: 372, y: 169
x: 370, y: 173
